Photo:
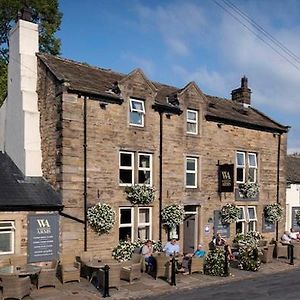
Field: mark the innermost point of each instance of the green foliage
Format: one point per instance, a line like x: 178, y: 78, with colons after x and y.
x: 214, y: 262
x: 173, y: 215
x: 45, y: 12
x: 273, y: 213
x: 249, y: 190
x: 229, y: 213
x: 140, y: 194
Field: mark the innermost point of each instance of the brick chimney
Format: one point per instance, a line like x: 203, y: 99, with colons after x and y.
x: 22, y: 141
x: 242, y: 94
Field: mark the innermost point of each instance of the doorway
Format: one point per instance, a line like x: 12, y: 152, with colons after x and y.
x: 189, y: 229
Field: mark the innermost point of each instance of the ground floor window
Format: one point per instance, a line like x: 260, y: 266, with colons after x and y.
x: 247, y: 220
x: 7, y: 237
x: 135, y: 223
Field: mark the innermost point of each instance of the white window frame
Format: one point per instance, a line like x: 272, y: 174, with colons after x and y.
x: 254, y: 220
x: 247, y: 218
x: 145, y: 168
x: 243, y: 221
x: 126, y: 225
x: 9, y: 229
x: 252, y: 167
x: 191, y: 121
x: 191, y: 172
x: 241, y: 166
x: 144, y: 224
x: 142, y: 111
x: 127, y: 167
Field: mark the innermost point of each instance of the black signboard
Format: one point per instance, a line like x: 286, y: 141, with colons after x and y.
x: 226, y: 178
x: 267, y: 227
x: 295, y: 224
x: 224, y: 230
x: 43, y: 237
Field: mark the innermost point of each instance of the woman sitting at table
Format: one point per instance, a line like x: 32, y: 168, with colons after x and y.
x: 147, y: 251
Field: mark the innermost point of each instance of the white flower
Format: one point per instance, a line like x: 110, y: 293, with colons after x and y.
x: 173, y: 215
x: 273, y: 213
x: 229, y: 213
x: 249, y: 190
x: 140, y: 194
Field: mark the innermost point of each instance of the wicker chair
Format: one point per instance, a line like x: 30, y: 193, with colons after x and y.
x: 114, y: 276
x: 15, y: 287
x: 282, y: 250
x: 162, y: 266
x: 197, y: 264
x: 47, y: 276
x: 267, y: 254
x: 70, y: 269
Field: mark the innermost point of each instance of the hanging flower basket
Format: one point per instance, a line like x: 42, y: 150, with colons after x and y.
x: 101, y: 218
x: 140, y: 194
x: 249, y: 190
x: 229, y: 213
x: 273, y: 213
x: 172, y: 215
x: 298, y: 217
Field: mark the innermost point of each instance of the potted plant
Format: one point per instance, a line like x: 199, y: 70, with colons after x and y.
x: 229, y: 213
x: 273, y: 213
x: 140, y: 194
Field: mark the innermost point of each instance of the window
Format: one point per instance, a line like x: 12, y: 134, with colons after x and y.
x: 244, y: 167
x: 126, y: 224
x: 192, y: 121
x: 7, y: 237
x: 137, y: 112
x: 145, y: 169
x: 191, y: 172
x: 126, y: 170
x: 129, y: 229
x: 247, y: 220
x: 144, y: 223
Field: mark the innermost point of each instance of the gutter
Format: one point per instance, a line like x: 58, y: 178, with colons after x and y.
x: 85, y: 169
x: 277, y: 179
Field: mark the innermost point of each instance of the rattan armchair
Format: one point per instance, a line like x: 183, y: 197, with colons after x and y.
x: 162, y: 266
x: 281, y: 250
x: 15, y: 287
x: 47, y: 276
x: 197, y: 264
x: 70, y: 269
x: 114, y: 276
x: 267, y: 253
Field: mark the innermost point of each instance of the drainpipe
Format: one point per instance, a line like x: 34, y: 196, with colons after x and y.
x: 160, y: 170
x: 277, y: 180
x: 85, y: 169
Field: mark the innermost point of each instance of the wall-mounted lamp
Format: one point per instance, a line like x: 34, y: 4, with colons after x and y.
x: 103, y: 105
x: 220, y: 125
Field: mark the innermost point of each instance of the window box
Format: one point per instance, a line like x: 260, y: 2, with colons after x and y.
x: 240, y: 197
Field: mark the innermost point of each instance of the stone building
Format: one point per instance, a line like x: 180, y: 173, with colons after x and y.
x: 90, y: 132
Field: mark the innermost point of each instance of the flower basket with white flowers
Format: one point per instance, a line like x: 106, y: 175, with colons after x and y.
x: 140, y: 194
x: 249, y: 189
x: 101, y: 218
x: 229, y: 213
x: 172, y: 215
x: 273, y: 213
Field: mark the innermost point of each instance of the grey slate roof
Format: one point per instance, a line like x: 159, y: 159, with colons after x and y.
x: 18, y: 193
x: 293, y: 169
x: 88, y: 79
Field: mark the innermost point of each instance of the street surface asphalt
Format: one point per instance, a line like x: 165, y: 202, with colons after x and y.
x: 281, y: 286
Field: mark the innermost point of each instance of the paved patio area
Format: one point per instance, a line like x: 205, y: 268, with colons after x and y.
x: 149, y: 287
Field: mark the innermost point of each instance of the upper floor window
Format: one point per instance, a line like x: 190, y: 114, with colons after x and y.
x: 7, y: 237
x: 137, y: 112
x: 246, y: 169
x: 130, y: 163
x: 192, y: 121
x: 191, y: 169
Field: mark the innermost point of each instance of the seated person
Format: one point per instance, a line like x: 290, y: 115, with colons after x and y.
x: 221, y: 242
x: 199, y: 252
x: 285, y: 239
x: 147, y: 251
x: 171, y: 248
x: 187, y: 258
x: 293, y: 235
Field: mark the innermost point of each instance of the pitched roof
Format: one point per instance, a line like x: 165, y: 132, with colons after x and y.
x: 293, y: 169
x: 87, y: 79
x: 19, y: 194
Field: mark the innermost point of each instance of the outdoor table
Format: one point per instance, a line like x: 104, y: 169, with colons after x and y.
x: 95, y: 265
x: 25, y: 270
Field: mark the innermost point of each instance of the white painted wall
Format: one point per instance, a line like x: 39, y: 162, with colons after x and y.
x: 2, y: 125
x: 292, y: 200
x: 22, y: 132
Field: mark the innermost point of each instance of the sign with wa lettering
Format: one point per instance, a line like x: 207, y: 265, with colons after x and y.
x: 226, y: 178
x: 43, y: 237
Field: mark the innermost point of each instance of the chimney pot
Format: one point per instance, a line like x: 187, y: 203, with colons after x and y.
x: 242, y: 94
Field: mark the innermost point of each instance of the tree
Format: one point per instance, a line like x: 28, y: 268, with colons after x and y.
x: 45, y: 12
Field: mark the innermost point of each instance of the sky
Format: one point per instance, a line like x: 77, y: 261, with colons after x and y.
x: 175, y: 42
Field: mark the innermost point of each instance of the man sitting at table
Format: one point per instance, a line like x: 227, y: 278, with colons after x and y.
x: 171, y: 248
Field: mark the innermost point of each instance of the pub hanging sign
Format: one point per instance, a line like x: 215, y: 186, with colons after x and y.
x: 226, y: 178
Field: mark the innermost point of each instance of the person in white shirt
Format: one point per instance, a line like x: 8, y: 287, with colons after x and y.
x: 293, y: 235
x: 285, y: 239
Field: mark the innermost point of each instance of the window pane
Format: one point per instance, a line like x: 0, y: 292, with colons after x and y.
x: 241, y: 214
x: 5, y: 242
x: 252, y: 160
x: 192, y: 127
x: 144, y: 215
x: 251, y: 175
x: 190, y: 179
x: 137, y: 105
x: 190, y: 165
x: 240, y: 159
x: 251, y: 212
x: 191, y: 115
x: 126, y: 159
x: 136, y: 118
x: 125, y: 176
x: 6, y: 225
x: 125, y: 234
x: 144, y: 233
x: 251, y: 226
x: 125, y: 216
x: 239, y: 227
x: 240, y: 174
x: 144, y: 161
x: 144, y: 177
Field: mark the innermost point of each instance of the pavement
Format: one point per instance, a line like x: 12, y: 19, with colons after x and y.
x: 148, y: 287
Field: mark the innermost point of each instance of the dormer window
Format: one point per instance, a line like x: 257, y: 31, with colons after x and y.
x: 137, y: 112
x: 192, y: 121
